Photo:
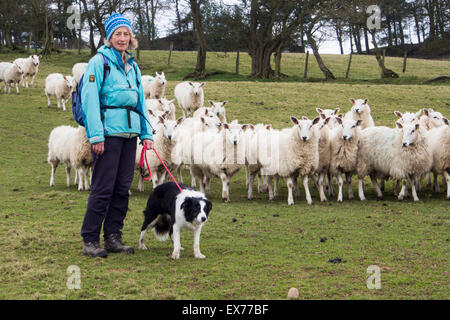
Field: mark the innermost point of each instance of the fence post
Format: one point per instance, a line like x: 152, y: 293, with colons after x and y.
x: 305, y: 74
x: 237, y: 62
x: 349, y: 63
x: 170, y: 52
x: 405, y: 56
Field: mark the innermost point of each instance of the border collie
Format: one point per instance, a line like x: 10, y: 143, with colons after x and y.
x: 169, y: 210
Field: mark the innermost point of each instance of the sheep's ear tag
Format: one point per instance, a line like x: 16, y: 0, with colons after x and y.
x: 92, y: 78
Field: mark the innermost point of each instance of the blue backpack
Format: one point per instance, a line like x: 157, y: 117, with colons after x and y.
x: 76, y: 97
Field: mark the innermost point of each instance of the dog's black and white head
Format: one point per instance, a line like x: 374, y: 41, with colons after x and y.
x: 194, y: 205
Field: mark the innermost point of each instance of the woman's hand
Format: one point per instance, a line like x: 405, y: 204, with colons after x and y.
x: 98, y: 148
x: 148, y: 144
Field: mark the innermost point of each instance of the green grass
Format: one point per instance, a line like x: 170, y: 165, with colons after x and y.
x: 269, y: 248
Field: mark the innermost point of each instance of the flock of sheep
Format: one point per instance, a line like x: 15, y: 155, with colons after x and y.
x: 328, y: 147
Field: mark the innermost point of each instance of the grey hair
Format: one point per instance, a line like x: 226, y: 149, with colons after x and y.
x: 132, y: 46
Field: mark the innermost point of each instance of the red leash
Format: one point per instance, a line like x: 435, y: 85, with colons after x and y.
x: 144, y: 156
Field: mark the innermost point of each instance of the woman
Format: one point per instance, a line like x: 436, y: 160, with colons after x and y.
x: 114, y: 116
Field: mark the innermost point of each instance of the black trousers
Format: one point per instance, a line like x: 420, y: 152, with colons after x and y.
x: 112, y: 176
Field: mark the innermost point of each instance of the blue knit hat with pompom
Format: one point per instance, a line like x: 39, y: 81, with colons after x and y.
x: 116, y: 20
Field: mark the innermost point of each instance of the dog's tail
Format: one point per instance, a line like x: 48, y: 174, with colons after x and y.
x: 162, y: 229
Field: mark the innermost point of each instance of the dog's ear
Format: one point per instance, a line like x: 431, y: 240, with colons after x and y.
x: 208, y: 206
x: 187, y: 204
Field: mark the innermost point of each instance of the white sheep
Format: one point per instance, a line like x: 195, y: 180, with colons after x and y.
x: 344, y: 142
x: 216, y: 108
x: 219, y: 154
x: 431, y: 119
x: 297, y: 154
x: 439, y: 140
x: 78, y: 70
x: 69, y: 145
x: 189, y: 96
x: 162, y: 104
x: 154, y: 87
x: 401, y: 153
x: 323, y: 169
x: 332, y: 115
x: 360, y: 111
x: 60, y: 86
x: 11, y: 74
x: 30, y: 67
x: 164, y: 141
x: 257, y: 154
x: 184, y: 150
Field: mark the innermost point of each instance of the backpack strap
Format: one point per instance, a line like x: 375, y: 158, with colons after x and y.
x: 129, y: 109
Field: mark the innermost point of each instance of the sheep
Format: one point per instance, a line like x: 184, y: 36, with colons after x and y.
x: 360, y: 110
x: 59, y: 86
x: 70, y: 146
x: 154, y: 87
x: 220, y: 155
x: 11, y: 73
x: 165, y: 140
x: 189, y: 96
x: 296, y: 153
x: 402, y: 153
x: 257, y: 152
x: 439, y: 140
x: 216, y: 108
x: 30, y: 67
x: 332, y: 115
x: 162, y: 104
x: 184, y: 150
x: 78, y: 71
x: 323, y: 169
x: 431, y: 119
x: 344, y: 142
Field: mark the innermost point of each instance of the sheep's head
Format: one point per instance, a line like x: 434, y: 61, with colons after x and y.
x: 35, y: 59
x: 233, y: 132
x: 410, y: 133
x: 196, y: 87
x: 350, y: 128
x: 436, y: 118
x: 161, y: 78
x: 19, y: 68
x: 360, y: 106
x: 407, y: 117
x: 169, y: 127
x: 209, y: 123
x: 331, y: 115
x: 167, y: 105
x: 218, y: 108
x: 69, y: 82
x: 305, y: 127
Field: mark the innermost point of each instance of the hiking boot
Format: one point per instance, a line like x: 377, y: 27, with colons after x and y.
x: 93, y: 249
x: 114, y: 243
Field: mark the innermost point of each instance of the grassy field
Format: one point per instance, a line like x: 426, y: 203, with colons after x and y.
x: 255, y: 249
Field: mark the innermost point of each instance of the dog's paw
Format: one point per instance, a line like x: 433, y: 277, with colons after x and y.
x: 200, y: 256
x: 175, y: 255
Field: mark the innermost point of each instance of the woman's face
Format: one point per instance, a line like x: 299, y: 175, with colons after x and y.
x: 120, y: 39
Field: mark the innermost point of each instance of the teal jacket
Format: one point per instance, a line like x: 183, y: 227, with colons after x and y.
x: 120, y: 89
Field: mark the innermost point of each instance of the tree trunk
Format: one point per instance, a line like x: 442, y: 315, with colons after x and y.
x: 177, y: 11
x: 200, y: 68
x: 366, y: 40
x: 339, y: 36
x: 402, y: 35
x: 237, y: 61
x: 385, y: 72
x: 326, y: 72
x: 416, y: 22
x: 389, y: 30
x: 49, y: 45
x: 278, y: 61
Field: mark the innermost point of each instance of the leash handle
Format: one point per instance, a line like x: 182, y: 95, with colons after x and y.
x: 144, y: 156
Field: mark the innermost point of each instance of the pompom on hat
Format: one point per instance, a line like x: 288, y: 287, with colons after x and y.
x: 116, y: 20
